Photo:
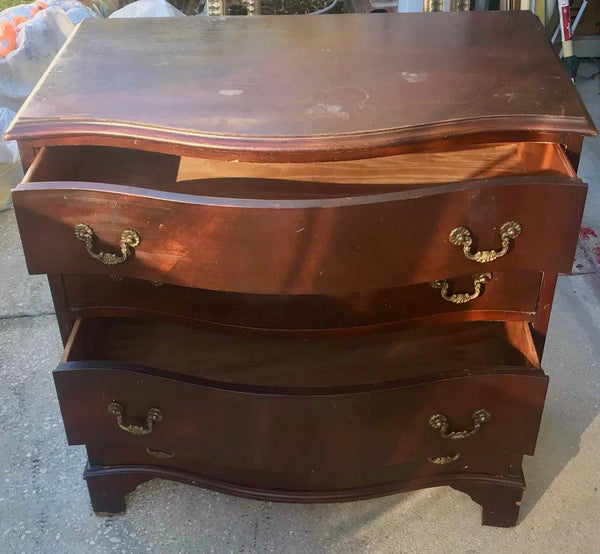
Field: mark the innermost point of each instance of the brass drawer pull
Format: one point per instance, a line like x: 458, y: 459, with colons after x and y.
x: 479, y: 279
x: 154, y: 414
x: 461, y: 236
x: 129, y: 240
x: 440, y: 421
x: 443, y: 460
x: 162, y: 454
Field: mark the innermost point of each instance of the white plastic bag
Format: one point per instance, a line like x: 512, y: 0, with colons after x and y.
x: 75, y: 10
x: 11, y: 171
x: 148, y: 8
x: 38, y: 41
x: 9, y: 152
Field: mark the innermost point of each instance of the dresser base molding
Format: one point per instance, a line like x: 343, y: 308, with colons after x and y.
x: 499, y: 496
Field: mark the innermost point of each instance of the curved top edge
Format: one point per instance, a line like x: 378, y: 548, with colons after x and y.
x: 343, y: 86
x: 295, y: 148
x: 344, y: 201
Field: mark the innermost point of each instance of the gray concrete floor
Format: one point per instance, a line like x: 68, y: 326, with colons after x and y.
x: 44, y: 506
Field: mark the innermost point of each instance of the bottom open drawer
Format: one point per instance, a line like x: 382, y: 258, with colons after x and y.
x: 282, y: 405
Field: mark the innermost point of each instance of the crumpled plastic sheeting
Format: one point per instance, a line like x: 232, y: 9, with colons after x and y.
x: 148, y: 8
x: 39, y: 40
x: 9, y: 152
x: 10, y: 168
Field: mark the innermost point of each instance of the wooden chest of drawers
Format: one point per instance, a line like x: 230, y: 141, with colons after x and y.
x: 304, y: 259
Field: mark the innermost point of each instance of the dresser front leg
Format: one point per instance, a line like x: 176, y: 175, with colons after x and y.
x: 500, y: 501
x: 108, y: 488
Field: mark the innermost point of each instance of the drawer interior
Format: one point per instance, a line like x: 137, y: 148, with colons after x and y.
x: 420, y: 168
x: 207, y: 177
x: 267, y: 360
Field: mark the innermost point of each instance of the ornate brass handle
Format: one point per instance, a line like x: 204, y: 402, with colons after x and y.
x: 440, y: 421
x: 443, y: 460
x: 461, y: 236
x: 154, y: 414
x: 479, y: 279
x: 129, y: 240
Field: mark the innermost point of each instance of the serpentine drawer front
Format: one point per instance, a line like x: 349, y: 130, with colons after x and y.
x: 341, y: 484
x: 330, y: 242
x: 508, y: 295
x: 313, y: 281
x: 374, y: 423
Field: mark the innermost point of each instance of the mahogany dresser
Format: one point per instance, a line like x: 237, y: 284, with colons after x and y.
x: 305, y: 259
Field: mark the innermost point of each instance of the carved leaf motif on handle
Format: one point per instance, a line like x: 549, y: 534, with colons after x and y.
x: 461, y: 236
x: 440, y: 422
x: 130, y: 239
x: 153, y: 415
x: 479, y: 279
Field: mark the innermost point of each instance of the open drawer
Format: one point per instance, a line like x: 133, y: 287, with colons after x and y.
x: 281, y: 404
x: 126, y: 213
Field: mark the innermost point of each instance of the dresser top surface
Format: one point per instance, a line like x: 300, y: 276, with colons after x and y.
x: 293, y: 86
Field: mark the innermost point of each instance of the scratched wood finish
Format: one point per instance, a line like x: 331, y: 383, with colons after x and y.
x: 508, y: 296
x: 231, y: 97
x: 312, y: 246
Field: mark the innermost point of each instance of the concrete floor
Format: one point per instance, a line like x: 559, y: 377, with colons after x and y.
x: 44, y: 506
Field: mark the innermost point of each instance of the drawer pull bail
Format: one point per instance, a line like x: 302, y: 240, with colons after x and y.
x: 440, y: 422
x: 154, y: 414
x: 461, y: 236
x: 479, y: 279
x: 443, y: 460
x: 129, y: 240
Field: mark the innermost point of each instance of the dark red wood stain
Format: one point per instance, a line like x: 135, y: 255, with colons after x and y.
x: 276, y: 324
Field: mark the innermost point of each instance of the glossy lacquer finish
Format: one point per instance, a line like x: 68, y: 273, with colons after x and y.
x: 304, y: 259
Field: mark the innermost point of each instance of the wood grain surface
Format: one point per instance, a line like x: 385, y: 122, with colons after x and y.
x: 300, y: 432
x: 294, y: 182
x: 508, y: 296
x: 287, y: 362
x: 421, y: 168
x: 499, y: 494
x: 345, y: 483
x: 304, y: 88
x: 205, y: 177
x: 301, y: 246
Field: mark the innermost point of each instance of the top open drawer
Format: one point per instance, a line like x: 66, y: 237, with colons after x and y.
x: 85, y: 209
x: 123, y: 212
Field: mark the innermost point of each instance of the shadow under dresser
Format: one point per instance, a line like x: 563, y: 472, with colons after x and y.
x: 303, y: 259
